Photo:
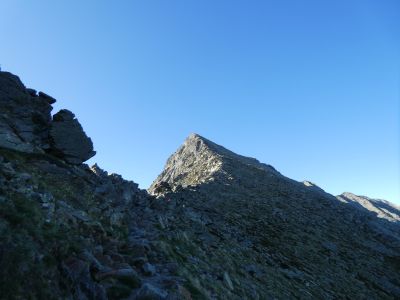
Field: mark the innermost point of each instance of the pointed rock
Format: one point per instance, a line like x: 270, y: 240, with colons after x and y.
x: 200, y: 160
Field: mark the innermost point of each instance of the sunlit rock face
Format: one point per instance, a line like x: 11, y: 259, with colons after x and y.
x: 199, y: 160
x: 248, y: 232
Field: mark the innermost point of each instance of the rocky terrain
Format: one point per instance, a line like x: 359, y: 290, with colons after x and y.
x: 68, y: 231
x: 213, y: 225
x: 254, y: 233
x: 382, y: 208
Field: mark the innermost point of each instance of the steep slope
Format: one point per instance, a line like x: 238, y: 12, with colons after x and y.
x: 68, y: 231
x: 244, y: 231
x: 383, y: 209
x: 218, y: 226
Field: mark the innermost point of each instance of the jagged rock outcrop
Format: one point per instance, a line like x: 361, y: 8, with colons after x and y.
x: 245, y: 231
x: 68, y: 231
x: 26, y: 124
x: 24, y: 116
x: 68, y: 140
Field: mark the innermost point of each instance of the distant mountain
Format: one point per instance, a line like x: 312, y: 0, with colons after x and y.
x: 213, y: 225
x: 382, y: 208
x: 199, y: 160
x: 251, y: 232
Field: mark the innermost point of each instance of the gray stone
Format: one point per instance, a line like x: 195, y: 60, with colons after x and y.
x: 293, y: 273
x: 149, y: 269
x: 126, y: 275
x: 24, y: 119
x: 98, y: 171
x: 228, y: 281
x: 254, y: 270
x: 48, y: 98
x: 330, y: 246
x: 68, y: 140
x: 32, y: 92
x: 149, y: 292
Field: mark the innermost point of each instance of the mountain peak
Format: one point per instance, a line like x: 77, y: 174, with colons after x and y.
x: 199, y: 160
x: 194, y: 136
x: 201, y: 143
x: 195, y: 162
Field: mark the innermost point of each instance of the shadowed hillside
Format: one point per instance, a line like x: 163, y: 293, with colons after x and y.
x: 213, y: 225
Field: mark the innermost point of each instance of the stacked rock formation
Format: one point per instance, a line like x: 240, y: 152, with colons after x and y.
x: 68, y: 231
x: 26, y: 124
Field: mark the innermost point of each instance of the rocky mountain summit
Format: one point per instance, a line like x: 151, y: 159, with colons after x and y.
x: 213, y: 225
x: 253, y: 233
x: 199, y: 160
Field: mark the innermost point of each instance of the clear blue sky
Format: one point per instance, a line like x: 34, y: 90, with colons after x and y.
x: 311, y: 87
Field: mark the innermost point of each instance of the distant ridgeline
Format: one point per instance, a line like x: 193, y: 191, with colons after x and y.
x: 213, y: 225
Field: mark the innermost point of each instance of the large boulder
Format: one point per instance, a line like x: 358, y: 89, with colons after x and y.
x: 26, y: 124
x: 68, y: 140
x: 24, y: 116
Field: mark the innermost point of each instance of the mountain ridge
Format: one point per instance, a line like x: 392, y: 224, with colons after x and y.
x: 194, y: 142
x: 214, y: 224
x: 201, y: 177
x: 383, y: 208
